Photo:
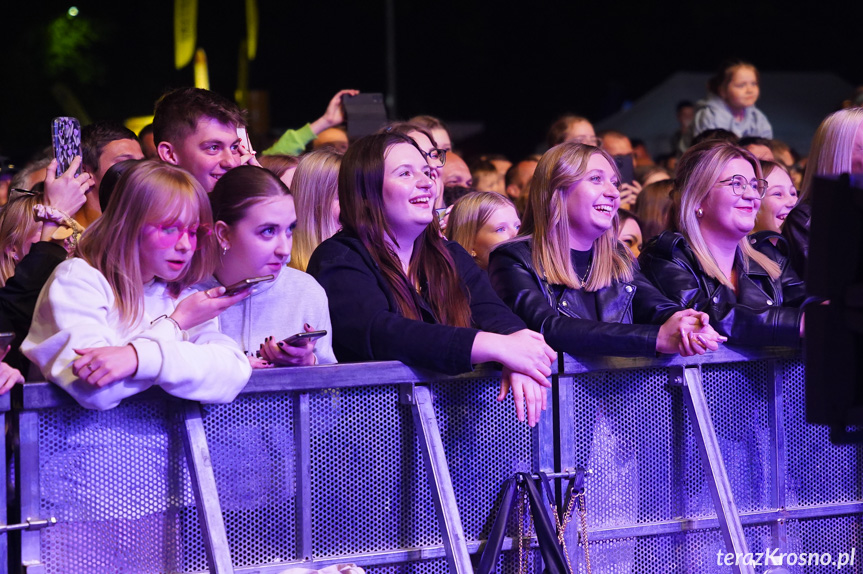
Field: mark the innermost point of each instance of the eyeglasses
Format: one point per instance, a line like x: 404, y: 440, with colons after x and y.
x: 436, y: 155
x: 168, y: 234
x: 738, y: 185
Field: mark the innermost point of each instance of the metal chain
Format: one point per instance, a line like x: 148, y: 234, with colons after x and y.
x: 561, y: 528
x: 522, y: 561
x: 582, y: 513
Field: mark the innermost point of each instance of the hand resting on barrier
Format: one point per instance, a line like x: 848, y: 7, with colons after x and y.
x: 526, y: 360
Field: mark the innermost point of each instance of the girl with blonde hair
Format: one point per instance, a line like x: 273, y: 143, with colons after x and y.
x: 570, y: 278
x: 120, y: 316
x: 710, y: 265
x: 316, y: 197
x: 481, y: 220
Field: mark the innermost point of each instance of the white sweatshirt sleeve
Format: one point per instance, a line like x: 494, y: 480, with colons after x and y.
x: 76, y: 310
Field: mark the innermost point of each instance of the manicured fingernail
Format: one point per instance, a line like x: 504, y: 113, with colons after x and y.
x: 282, y: 344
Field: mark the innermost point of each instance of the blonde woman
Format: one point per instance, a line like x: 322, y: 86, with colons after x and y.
x: 120, y: 317
x: 316, y: 197
x: 836, y: 148
x: 710, y: 264
x: 481, y: 220
x: 570, y: 278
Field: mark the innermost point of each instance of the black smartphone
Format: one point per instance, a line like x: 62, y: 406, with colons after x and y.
x: 365, y: 114
x: 245, y: 284
x: 301, y: 338
x: 626, y: 167
x: 6, y: 340
x: 66, y: 138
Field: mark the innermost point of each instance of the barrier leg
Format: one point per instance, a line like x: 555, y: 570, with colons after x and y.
x: 204, y: 488
x: 714, y: 468
x: 440, y: 481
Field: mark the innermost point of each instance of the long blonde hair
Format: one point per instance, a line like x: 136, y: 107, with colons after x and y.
x: 315, y: 187
x: 559, y: 169
x: 17, y: 223
x: 697, y: 173
x: 151, y: 192
x: 832, y: 147
x: 470, y: 212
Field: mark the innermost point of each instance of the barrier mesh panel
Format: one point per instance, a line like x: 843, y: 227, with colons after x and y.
x: 818, y: 472
x: 624, y: 424
x: 832, y: 540
x: 251, y: 444
x: 691, y: 552
x: 480, y: 461
x: 117, y: 483
x: 737, y: 395
x: 369, y: 491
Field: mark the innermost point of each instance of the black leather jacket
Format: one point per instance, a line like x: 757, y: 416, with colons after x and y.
x: 763, y: 312
x: 564, y: 316
x: 795, y: 230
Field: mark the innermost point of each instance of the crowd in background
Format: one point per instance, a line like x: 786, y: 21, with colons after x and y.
x: 179, y: 257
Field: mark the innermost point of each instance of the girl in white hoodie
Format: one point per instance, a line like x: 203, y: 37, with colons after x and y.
x: 120, y: 317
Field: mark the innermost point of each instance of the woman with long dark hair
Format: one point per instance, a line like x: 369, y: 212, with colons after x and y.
x: 399, y: 291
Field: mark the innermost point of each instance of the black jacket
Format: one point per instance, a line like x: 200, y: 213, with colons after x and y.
x: 763, y: 312
x: 18, y: 297
x: 569, y: 320
x: 795, y: 230
x: 367, y: 325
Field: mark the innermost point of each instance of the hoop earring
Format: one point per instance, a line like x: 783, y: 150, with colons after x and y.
x: 699, y: 213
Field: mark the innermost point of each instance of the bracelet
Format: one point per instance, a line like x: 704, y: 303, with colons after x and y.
x: 70, y: 230
x: 184, y: 334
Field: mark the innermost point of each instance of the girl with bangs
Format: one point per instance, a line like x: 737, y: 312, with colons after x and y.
x: 570, y: 278
x: 711, y: 265
x: 398, y: 291
x: 120, y: 317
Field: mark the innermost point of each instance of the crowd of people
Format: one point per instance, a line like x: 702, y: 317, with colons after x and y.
x: 181, y: 258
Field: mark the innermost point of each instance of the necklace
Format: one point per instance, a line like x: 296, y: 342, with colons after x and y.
x: 583, y: 280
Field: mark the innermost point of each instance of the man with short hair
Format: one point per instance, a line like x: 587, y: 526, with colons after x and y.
x: 103, y: 144
x: 196, y: 129
x: 518, y: 182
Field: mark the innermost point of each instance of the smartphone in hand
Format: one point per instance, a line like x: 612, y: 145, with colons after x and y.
x: 66, y: 139
x: 300, y: 339
x: 6, y: 340
x: 245, y: 284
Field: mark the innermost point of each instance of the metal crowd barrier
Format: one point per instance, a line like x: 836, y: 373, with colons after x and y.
x: 399, y: 470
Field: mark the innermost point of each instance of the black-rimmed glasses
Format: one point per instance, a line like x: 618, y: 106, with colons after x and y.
x: 738, y: 185
x: 435, y: 155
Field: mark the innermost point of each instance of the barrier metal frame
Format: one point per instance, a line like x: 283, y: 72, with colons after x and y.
x: 552, y: 447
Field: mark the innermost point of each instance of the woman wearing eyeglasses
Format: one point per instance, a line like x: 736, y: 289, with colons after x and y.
x: 120, y: 317
x: 710, y: 265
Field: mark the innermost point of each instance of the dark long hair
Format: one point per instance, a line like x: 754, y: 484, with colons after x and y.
x: 431, y: 268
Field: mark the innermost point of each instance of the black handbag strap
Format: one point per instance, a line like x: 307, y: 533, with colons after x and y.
x: 494, y: 544
x: 546, y: 532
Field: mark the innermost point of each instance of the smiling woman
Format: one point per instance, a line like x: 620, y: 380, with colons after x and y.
x: 121, y: 318
x: 570, y: 278
x: 399, y: 291
x: 711, y: 266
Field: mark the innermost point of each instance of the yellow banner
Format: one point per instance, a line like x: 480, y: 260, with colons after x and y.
x: 185, y: 31
x: 252, y: 28
x: 202, y: 73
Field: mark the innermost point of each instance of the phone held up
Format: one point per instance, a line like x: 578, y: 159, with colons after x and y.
x: 245, y: 284
x: 66, y: 139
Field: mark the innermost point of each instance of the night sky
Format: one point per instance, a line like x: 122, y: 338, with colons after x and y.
x: 513, y: 66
